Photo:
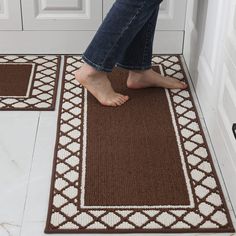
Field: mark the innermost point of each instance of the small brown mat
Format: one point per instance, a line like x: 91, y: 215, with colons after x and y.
x: 28, y: 82
x: 141, y: 167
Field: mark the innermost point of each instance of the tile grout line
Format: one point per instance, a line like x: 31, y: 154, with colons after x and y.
x: 31, y: 164
x: 192, y: 87
x: 214, y: 156
x: 36, y: 135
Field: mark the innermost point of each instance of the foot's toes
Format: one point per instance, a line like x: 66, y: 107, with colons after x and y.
x: 175, y: 83
x: 124, y: 98
x: 108, y: 103
x: 183, y: 84
x: 121, y: 101
x: 118, y: 100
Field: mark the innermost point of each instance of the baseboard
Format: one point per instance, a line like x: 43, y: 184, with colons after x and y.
x: 216, y: 142
x: 74, y: 42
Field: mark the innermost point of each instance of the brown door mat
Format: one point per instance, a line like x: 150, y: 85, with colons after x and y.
x: 142, y: 167
x: 28, y: 82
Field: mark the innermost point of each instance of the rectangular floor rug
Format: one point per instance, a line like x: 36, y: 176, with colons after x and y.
x: 28, y: 82
x: 142, y: 167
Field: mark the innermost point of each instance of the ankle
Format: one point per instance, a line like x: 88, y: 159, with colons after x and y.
x: 139, y: 72
x: 91, y: 71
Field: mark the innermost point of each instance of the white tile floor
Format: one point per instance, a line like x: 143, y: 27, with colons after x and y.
x: 26, y: 154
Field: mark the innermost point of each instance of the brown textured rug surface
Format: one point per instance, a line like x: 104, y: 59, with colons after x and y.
x: 28, y: 82
x: 142, y: 167
x: 15, y: 79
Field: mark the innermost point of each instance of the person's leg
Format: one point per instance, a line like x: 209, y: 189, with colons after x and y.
x: 118, y: 30
x: 121, y: 24
x: 138, y: 55
x: 138, y: 59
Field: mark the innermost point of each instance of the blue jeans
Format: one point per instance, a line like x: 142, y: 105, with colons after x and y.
x: 125, y: 37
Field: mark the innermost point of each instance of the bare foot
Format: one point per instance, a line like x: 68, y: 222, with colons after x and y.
x: 97, y: 83
x: 150, y: 78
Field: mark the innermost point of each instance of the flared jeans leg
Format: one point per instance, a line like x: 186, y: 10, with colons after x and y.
x: 128, y: 26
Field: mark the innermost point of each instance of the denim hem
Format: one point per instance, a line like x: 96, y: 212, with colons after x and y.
x: 134, y: 67
x: 97, y: 67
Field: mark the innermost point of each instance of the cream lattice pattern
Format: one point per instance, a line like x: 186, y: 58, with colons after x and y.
x: 210, y: 212
x: 44, y: 83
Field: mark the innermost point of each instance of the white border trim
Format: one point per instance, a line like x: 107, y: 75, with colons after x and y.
x: 82, y: 187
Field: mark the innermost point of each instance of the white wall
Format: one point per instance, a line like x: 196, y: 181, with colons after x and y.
x: 210, y: 54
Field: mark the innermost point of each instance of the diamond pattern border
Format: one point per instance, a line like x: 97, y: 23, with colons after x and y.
x: 44, y: 87
x: 210, y: 213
